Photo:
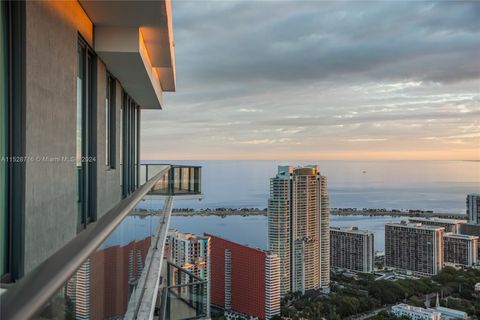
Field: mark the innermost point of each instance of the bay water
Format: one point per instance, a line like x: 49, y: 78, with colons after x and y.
x: 441, y: 186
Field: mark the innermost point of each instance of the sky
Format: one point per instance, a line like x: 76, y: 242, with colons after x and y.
x: 278, y: 80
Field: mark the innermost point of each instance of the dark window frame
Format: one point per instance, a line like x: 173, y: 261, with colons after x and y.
x: 88, y: 176
x: 14, y: 22
x: 110, y: 123
x: 130, y: 144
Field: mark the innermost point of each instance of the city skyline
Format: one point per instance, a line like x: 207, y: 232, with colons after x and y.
x: 91, y: 230
x: 321, y: 80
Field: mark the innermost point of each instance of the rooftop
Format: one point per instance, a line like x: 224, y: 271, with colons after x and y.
x: 412, y: 225
x: 460, y: 236
x: 351, y: 229
x: 440, y: 220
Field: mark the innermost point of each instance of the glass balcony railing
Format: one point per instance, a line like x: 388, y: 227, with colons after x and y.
x: 184, y: 296
x: 179, y: 180
x: 113, y: 269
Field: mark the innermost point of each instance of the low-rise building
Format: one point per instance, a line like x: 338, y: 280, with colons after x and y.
x: 477, y: 287
x: 351, y: 249
x: 448, y: 313
x: 460, y: 249
x: 415, y: 313
x: 437, y: 313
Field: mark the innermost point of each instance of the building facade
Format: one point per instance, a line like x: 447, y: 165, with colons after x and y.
x: 298, y: 227
x: 473, y: 208
x: 279, y: 222
x: 115, y: 269
x: 244, y: 280
x: 437, y: 313
x: 461, y: 249
x: 76, y: 76
x: 450, y: 225
x: 75, y: 79
x: 415, y: 313
x: 192, y: 253
x: 352, y: 249
x: 413, y: 247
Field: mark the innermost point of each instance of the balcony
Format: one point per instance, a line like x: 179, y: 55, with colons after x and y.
x: 113, y: 269
x: 177, y: 181
x: 184, y: 296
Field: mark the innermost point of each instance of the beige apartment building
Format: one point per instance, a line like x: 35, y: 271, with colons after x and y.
x: 352, y: 249
x: 298, y: 227
x: 414, y: 248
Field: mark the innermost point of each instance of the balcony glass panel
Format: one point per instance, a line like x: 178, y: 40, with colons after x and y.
x: 106, y: 286
x: 179, y: 180
x: 117, y: 261
x: 184, y: 295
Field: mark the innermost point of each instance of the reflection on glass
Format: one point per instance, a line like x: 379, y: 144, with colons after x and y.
x: 177, y: 180
x: 103, y: 287
x: 122, y: 274
x: 79, y: 130
x: 107, y: 123
x: 185, y: 295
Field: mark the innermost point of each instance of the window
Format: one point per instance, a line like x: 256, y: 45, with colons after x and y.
x: 86, y: 136
x: 110, y: 117
x: 12, y: 138
x: 3, y: 144
x: 130, y: 136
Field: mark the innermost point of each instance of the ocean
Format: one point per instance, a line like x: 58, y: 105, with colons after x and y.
x: 428, y: 185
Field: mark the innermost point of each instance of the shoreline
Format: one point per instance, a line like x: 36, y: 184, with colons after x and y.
x: 224, y: 212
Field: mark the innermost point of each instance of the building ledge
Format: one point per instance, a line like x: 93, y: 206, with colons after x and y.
x: 135, y: 40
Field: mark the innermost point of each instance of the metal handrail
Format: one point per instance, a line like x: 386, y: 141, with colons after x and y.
x: 164, y: 310
x: 26, y: 298
x: 169, y: 263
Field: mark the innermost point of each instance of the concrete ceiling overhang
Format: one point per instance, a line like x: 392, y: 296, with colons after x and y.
x: 135, y: 40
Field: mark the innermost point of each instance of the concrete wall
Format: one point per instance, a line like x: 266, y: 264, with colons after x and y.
x: 108, y: 179
x: 52, y: 30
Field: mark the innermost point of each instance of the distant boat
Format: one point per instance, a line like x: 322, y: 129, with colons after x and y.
x: 364, y: 171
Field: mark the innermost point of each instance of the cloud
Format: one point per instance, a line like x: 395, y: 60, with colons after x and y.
x: 366, y: 139
x: 321, y: 74
x: 302, y: 41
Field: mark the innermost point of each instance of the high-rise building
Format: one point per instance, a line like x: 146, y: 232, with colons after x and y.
x: 192, y: 253
x: 298, y: 227
x: 352, y: 249
x: 100, y: 288
x: 279, y: 222
x: 414, y: 247
x: 471, y: 229
x: 473, y: 208
x: 450, y: 225
x: 461, y: 249
x: 189, y: 251
x: 244, y: 280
